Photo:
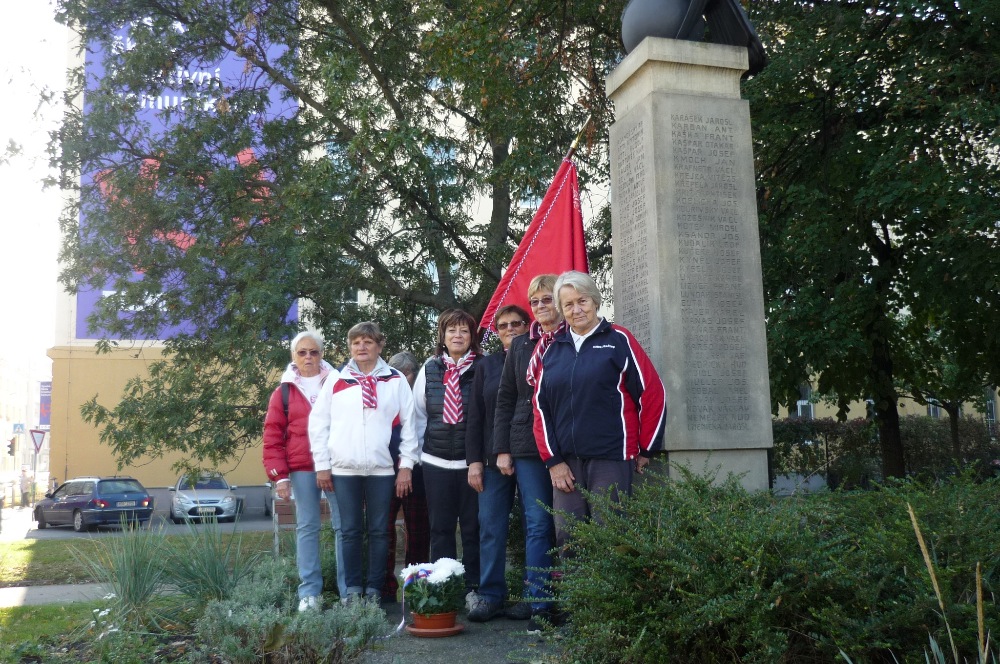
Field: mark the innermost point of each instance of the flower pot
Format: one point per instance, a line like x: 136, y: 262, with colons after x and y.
x: 434, y: 625
x: 434, y: 620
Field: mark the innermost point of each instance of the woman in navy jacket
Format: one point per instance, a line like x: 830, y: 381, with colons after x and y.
x: 600, y: 406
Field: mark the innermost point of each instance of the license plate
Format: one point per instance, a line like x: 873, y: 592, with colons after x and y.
x: 206, y: 510
x: 126, y: 503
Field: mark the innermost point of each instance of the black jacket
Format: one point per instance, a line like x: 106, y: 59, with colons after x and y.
x: 480, y: 410
x: 513, y: 423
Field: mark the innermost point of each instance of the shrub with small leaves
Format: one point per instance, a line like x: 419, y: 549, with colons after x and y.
x: 689, y: 571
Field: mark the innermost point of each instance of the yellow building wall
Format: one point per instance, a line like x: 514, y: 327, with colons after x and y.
x: 78, y: 374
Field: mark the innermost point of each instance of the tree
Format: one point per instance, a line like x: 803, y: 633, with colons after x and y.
x: 401, y: 120
x: 876, y: 144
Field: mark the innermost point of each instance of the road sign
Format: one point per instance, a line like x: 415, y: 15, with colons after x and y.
x: 38, y: 437
x: 18, y: 428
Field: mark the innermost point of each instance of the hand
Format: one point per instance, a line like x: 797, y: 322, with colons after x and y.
x: 505, y: 463
x: 562, y: 478
x: 476, y: 476
x: 283, y: 490
x: 324, y: 480
x: 404, y: 482
x: 640, y: 464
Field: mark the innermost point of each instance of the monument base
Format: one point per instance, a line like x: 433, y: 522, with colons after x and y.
x: 748, y: 465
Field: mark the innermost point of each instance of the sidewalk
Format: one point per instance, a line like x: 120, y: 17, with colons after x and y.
x: 61, y: 594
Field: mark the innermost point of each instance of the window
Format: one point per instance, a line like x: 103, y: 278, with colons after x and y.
x: 933, y: 410
x: 991, y: 405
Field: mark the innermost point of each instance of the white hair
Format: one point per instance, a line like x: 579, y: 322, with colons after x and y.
x: 582, y: 282
x: 306, y: 334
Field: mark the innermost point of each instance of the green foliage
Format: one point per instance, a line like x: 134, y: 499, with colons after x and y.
x: 417, y: 138
x: 256, y: 624
x: 206, y: 566
x: 847, y: 453
x: 328, y: 559
x: 688, y: 571
x: 440, y: 595
x: 873, y: 125
x: 131, y: 566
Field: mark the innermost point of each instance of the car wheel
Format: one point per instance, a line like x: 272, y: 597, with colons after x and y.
x: 40, y: 518
x: 78, y: 524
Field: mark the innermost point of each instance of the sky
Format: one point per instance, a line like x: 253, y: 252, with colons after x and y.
x: 33, y: 58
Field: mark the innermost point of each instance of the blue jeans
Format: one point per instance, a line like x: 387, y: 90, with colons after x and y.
x: 495, y: 503
x: 364, y: 510
x: 535, y: 487
x: 307, y: 526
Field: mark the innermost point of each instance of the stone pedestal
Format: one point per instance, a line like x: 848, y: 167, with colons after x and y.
x: 687, y: 274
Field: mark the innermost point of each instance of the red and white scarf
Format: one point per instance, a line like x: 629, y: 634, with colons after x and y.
x: 453, y: 409
x: 369, y: 388
x: 544, y: 339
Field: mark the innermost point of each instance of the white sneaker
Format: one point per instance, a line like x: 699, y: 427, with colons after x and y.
x: 311, y: 603
x: 472, y: 600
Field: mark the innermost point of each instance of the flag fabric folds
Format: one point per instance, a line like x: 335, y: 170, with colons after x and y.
x: 553, y: 243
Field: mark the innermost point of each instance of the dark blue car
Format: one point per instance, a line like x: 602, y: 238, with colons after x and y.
x: 86, y: 502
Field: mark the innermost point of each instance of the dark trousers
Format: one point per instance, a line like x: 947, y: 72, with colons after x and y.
x: 450, y: 499
x: 417, y: 532
x: 612, y: 478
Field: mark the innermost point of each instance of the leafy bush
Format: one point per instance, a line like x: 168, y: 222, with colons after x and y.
x: 257, y: 624
x: 848, y: 455
x: 688, y: 571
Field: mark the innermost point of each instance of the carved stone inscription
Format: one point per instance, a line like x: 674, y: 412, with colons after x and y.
x: 632, y: 212
x: 710, y: 249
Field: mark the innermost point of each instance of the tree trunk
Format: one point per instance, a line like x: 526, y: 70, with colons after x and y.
x: 886, y: 411
x: 956, y: 445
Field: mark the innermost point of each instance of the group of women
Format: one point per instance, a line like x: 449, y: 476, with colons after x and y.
x: 571, y: 402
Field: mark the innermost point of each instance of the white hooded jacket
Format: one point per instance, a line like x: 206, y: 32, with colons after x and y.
x: 348, y: 439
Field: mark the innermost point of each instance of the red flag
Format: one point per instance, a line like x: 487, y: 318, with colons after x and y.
x: 553, y: 243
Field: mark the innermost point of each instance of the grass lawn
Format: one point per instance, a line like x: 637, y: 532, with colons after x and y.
x: 45, y: 562
x: 28, y: 624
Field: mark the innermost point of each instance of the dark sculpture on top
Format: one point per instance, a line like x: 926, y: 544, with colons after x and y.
x: 726, y: 21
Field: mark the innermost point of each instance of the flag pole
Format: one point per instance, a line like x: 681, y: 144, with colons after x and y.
x: 579, y: 135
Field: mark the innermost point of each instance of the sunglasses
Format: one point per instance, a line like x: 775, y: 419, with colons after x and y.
x: 312, y: 352
x: 511, y: 324
x: 534, y: 302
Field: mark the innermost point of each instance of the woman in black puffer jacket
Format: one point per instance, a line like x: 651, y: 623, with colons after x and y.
x: 440, y: 394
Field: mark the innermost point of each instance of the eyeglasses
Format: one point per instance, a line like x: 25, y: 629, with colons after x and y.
x: 511, y: 324
x: 312, y: 352
x: 538, y: 301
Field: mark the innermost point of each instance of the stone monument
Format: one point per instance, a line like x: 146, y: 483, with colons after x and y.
x: 687, y: 273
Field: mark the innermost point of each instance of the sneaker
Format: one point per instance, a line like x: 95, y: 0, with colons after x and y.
x: 311, y: 603
x: 520, y: 611
x: 485, y: 610
x: 352, y: 598
x: 472, y: 600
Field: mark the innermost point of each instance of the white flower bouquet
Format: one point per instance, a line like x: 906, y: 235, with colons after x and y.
x: 430, y: 588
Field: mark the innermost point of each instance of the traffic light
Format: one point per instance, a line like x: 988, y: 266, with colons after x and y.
x: 10, y: 446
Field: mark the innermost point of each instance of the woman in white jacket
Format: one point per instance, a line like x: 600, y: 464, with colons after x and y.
x: 349, y: 431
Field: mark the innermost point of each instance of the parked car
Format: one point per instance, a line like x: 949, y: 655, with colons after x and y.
x: 86, y: 502
x: 208, y: 496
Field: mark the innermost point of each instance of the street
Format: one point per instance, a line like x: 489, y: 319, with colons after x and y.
x: 17, y: 524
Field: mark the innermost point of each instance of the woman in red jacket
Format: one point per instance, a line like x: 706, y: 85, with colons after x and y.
x: 289, y: 463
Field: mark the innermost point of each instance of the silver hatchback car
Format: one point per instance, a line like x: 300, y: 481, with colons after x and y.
x: 208, y: 496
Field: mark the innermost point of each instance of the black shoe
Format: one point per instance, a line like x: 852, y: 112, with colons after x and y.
x: 520, y: 611
x: 485, y: 610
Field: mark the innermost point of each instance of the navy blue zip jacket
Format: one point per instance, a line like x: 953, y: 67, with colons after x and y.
x: 604, y: 402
